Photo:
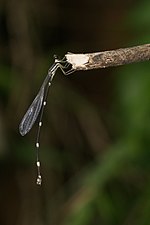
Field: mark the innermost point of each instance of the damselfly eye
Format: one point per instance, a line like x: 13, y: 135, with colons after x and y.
x: 55, y: 57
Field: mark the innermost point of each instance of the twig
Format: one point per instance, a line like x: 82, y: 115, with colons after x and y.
x: 109, y: 58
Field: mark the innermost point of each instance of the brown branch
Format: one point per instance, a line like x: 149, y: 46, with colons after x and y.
x: 104, y: 59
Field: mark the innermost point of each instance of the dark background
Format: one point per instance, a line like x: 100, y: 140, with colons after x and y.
x: 95, y: 139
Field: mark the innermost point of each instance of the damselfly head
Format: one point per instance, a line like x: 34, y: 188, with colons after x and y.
x: 55, y: 56
x: 56, y: 59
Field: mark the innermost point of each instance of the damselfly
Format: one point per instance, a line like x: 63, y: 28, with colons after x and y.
x: 37, y: 107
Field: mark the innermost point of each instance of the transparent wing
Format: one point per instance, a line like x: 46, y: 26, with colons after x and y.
x: 32, y: 113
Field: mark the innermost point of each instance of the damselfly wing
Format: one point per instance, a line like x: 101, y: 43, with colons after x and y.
x: 32, y: 113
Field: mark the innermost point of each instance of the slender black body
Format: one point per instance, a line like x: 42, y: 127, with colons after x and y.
x: 37, y: 107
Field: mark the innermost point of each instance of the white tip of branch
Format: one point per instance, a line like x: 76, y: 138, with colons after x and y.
x: 77, y: 60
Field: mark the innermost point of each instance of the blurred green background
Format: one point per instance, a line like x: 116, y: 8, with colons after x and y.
x: 95, y: 138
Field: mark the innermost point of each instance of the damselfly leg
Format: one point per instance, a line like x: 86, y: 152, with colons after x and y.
x: 64, y: 65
